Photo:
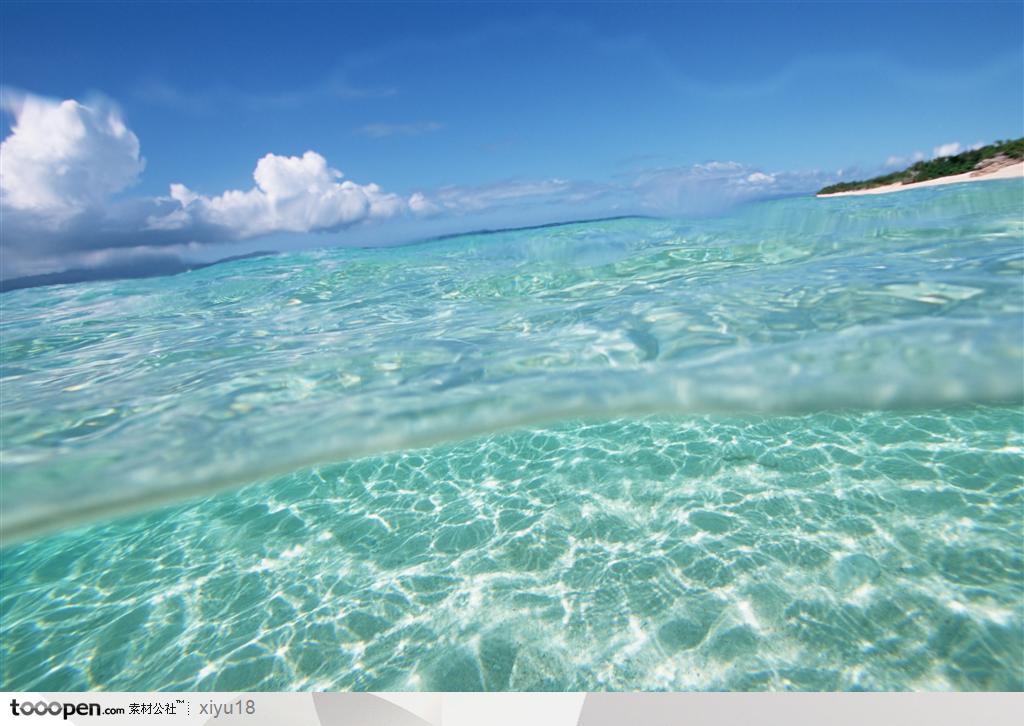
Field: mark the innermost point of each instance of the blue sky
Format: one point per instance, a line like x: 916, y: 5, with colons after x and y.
x: 494, y: 114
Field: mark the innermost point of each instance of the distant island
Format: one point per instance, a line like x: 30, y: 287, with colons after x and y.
x: 1003, y: 159
x: 158, y: 266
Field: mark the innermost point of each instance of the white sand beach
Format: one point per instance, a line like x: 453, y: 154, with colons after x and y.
x: 1010, y: 171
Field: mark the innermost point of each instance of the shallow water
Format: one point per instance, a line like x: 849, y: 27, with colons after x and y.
x: 779, y: 449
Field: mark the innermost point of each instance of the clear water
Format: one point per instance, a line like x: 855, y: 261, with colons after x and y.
x: 778, y: 449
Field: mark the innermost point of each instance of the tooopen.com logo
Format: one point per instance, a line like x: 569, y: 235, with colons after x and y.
x: 56, y: 708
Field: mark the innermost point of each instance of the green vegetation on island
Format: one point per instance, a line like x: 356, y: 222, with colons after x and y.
x: 937, y: 168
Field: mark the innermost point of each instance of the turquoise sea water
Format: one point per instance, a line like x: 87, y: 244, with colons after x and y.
x: 776, y: 449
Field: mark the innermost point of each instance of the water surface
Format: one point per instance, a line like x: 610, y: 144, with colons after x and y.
x: 776, y: 449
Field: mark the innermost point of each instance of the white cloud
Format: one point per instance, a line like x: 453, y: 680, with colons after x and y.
x: 698, y: 188
x: 64, y: 160
x: 292, y: 194
x: 760, y: 178
x: 64, y: 157
x: 467, y: 200
x: 419, y: 204
x: 949, y: 149
x: 718, y: 167
x: 708, y: 187
x: 896, y: 160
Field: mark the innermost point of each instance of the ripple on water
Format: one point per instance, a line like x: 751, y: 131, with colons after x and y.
x: 659, y: 553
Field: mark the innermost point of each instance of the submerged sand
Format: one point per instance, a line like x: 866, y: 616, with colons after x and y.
x: 1010, y: 171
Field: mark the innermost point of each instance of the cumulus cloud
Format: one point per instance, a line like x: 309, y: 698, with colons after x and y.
x: 64, y: 162
x: 292, y: 194
x: 63, y: 157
